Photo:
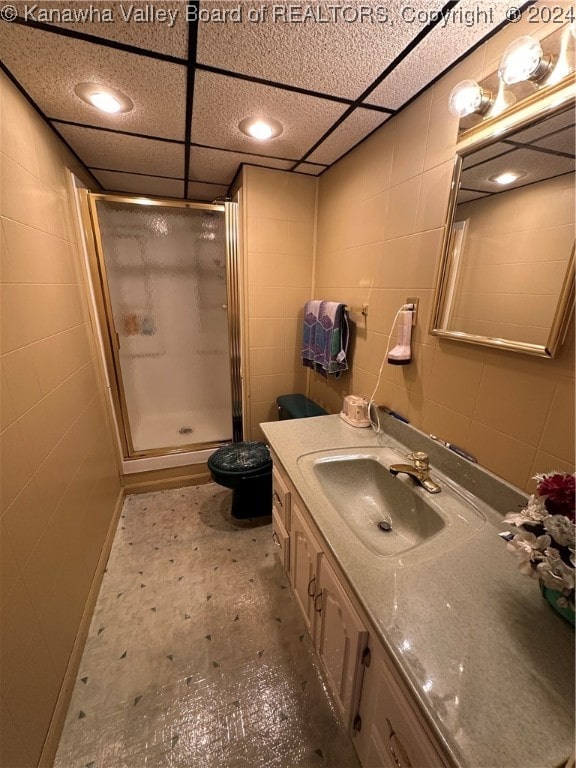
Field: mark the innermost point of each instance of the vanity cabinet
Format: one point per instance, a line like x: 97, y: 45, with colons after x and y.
x: 376, y: 707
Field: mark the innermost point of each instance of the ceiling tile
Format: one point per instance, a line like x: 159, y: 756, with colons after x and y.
x: 49, y: 66
x: 360, y: 123
x: 437, y: 51
x: 205, y: 192
x: 113, y: 181
x: 334, y: 50
x: 220, y: 167
x: 102, y: 149
x: 159, y: 26
x: 220, y: 103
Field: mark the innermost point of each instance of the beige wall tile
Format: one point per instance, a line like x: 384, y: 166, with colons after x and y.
x: 514, y: 396
x: 558, y: 435
x: 445, y: 423
x: 267, y: 333
x: 19, y: 370
x: 267, y: 302
x: 496, y: 450
x: 25, y: 521
x: 410, y: 139
x: 32, y: 256
x: 455, y: 378
x: 402, y: 209
x: 376, y: 156
x: 13, y: 750
x: 15, y: 465
x: 299, y: 271
x: 9, y: 570
x: 26, y: 666
x: 266, y: 360
x: 433, y: 200
x: 23, y: 196
x: 267, y: 269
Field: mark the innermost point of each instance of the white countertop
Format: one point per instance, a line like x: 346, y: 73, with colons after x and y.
x: 490, y: 663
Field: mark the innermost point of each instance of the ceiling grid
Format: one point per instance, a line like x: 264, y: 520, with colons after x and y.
x: 195, y: 68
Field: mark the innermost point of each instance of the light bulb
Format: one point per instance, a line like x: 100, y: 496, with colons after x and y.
x: 523, y: 60
x: 103, y: 97
x: 466, y: 98
x: 260, y: 130
x: 508, y: 177
x: 105, y: 102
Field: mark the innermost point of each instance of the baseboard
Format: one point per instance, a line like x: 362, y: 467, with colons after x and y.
x: 164, y: 483
x: 59, y: 716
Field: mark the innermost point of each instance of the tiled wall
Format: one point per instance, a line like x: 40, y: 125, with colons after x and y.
x: 381, y: 212
x: 59, y: 473
x: 278, y: 219
x: 518, y: 240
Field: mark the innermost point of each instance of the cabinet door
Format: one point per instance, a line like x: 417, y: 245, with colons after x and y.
x: 281, y: 497
x: 282, y: 541
x: 340, y: 638
x: 391, y: 734
x: 305, y: 555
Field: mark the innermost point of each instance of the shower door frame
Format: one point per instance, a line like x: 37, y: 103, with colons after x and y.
x: 111, y: 338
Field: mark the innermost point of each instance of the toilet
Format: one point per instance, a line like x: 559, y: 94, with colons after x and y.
x: 246, y: 467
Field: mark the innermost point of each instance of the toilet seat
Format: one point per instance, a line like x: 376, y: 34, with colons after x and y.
x: 246, y: 458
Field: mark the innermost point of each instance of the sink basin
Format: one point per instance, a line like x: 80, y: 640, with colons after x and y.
x: 389, y: 515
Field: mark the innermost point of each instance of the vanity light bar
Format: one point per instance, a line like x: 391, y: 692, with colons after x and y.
x: 523, y: 61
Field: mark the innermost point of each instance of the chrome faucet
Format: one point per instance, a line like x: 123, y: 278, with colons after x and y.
x: 419, y: 470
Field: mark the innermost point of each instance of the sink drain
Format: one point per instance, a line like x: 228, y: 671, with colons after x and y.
x: 186, y: 430
x: 384, y: 525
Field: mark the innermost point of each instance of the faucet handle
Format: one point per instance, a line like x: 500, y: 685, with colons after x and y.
x: 420, y: 459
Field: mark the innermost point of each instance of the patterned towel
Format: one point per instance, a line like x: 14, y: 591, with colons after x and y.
x: 325, y: 338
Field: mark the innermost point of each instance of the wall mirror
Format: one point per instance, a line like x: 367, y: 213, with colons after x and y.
x: 506, y: 277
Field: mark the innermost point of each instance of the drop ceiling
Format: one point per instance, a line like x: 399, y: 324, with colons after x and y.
x: 327, y: 74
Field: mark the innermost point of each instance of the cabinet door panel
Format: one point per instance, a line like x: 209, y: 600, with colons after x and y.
x: 281, y: 497
x: 340, y: 638
x: 390, y: 726
x: 305, y: 555
x: 282, y: 541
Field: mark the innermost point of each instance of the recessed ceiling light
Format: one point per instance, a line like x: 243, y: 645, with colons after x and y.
x: 260, y: 129
x: 103, y: 98
x: 508, y: 177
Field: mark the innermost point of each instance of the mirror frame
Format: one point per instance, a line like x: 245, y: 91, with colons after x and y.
x: 477, y: 138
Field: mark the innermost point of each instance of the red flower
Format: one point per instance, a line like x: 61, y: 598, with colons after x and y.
x: 559, y: 490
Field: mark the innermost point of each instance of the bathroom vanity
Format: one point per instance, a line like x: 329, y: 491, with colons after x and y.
x: 437, y: 651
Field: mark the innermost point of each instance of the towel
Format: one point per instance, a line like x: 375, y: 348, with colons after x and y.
x: 325, y: 338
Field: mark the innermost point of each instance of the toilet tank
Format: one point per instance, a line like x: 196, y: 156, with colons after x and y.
x: 298, y: 407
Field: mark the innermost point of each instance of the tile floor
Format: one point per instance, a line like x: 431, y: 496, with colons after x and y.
x: 197, y: 655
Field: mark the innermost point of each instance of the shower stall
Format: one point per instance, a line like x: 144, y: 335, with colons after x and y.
x: 166, y: 291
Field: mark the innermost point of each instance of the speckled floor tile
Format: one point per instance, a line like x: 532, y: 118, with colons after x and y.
x: 197, y: 655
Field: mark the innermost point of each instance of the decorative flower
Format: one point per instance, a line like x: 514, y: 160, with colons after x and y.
x: 561, y: 529
x: 545, y: 543
x: 558, y: 490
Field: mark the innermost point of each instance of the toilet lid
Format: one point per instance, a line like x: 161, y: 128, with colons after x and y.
x: 241, y: 457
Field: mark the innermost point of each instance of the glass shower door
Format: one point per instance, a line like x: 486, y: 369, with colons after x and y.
x: 164, y: 273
